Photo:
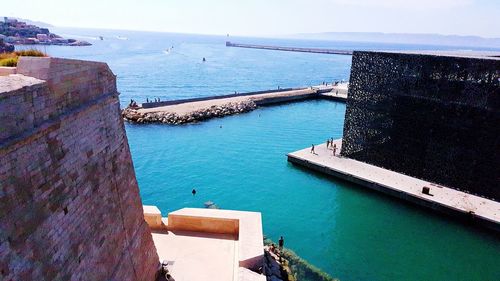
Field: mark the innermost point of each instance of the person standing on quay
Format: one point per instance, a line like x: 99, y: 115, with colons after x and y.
x: 327, y: 143
x: 334, y: 149
x: 312, y: 149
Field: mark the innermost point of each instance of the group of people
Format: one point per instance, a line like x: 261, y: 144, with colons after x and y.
x: 279, y: 250
x: 329, y: 144
x: 156, y: 100
x: 132, y: 103
x: 336, y: 83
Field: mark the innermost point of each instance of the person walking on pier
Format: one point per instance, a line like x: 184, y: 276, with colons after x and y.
x: 334, y: 149
x: 312, y: 149
x: 327, y: 143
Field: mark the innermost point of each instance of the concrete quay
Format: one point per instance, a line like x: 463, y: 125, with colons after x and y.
x: 199, y: 109
x: 475, y: 209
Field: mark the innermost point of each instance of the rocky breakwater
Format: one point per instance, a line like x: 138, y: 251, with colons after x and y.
x: 274, y: 267
x: 285, y: 265
x: 135, y: 115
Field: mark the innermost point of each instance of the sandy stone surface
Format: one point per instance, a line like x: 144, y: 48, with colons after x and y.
x: 16, y: 81
x: 196, y: 256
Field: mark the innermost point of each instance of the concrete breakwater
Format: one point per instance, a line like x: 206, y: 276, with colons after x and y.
x: 194, y: 110
x: 291, y: 49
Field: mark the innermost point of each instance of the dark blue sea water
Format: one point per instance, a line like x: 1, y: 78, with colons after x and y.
x: 239, y: 162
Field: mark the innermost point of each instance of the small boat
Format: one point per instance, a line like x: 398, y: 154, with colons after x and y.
x: 101, y: 38
x: 204, y: 60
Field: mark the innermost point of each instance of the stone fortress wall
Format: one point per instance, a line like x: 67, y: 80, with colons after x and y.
x: 428, y: 116
x: 69, y: 201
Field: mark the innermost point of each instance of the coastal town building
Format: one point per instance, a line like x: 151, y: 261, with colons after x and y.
x: 21, y: 33
x: 5, y: 47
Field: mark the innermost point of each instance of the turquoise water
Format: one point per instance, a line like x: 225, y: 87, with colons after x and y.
x: 239, y: 162
x: 345, y: 230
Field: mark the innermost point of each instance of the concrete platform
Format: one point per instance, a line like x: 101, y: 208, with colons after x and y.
x: 443, y: 199
x: 196, y: 257
x: 246, y: 226
x: 208, y: 244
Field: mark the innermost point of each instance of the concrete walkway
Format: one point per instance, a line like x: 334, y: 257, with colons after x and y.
x: 259, y: 99
x: 443, y: 199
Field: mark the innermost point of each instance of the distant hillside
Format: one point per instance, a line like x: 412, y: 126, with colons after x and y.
x: 31, y: 22
x: 405, y: 38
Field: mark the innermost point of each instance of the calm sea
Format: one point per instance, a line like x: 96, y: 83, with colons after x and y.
x: 239, y: 162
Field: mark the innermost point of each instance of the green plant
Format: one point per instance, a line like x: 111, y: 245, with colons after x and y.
x: 30, y: 53
x: 9, y: 62
x: 10, y: 59
x: 7, y: 55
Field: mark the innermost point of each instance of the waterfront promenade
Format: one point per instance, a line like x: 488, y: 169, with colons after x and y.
x: 443, y: 199
x: 259, y: 99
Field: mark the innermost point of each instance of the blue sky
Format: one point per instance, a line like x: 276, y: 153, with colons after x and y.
x: 268, y: 17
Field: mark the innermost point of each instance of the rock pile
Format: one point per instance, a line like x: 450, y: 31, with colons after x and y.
x: 273, y: 268
x: 5, y: 48
x: 135, y: 116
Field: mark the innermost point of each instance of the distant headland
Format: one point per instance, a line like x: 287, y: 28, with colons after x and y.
x: 17, y: 32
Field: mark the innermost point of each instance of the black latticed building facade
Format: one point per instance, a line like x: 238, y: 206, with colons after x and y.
x: 433, y: 117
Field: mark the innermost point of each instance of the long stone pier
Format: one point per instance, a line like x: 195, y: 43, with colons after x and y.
x: 291, y: 49
x: 443, y: 199
x: 199, y: 109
